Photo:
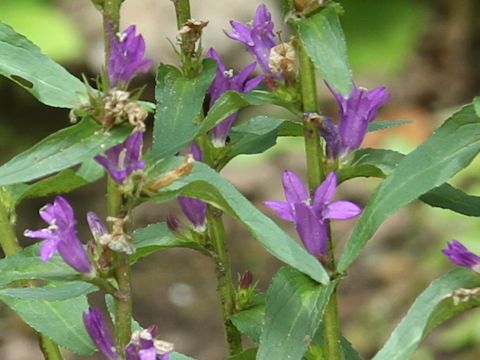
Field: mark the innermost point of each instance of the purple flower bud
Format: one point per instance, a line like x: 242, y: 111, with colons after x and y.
x: 124, y: 159
x: 224, y: 81
x: 311, y: 217
x: 98, y: 331
x: 461, y: 256
x: 127, y: 56
x: 97, y: 227
x: 246, y: 280
x: 258, y: 38
x: 61, y: 235
x: 356, y: 111
x: 195, y: 210
x: 174, y: 223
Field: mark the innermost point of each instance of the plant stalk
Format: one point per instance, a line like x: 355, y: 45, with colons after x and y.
x: 10, y: 246
x: 223, y: 271
x: 316, y: 174
x: 111, y: 23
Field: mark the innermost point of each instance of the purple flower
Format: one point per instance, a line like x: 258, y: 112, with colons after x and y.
x: 195, y: 210
x: 123, y: 159
x: 311, y: 217
x: 461, y: 256
x: 258, y: 37
x: 142, y: 346
x: 61, y: 235
x: 98, y: 331
x: 224, y: 81
x: 127, y: 56
x: 356, y: 112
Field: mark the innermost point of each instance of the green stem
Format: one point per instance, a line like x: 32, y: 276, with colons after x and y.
x: 10, y: 246
x: 316, y: 174
x: 111, y: 23
x: 182, y: 10
x: 122, y: 272
x: 223, y: 270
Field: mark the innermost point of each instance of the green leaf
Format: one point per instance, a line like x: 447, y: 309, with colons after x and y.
x: 249, y: 354
x: 250, y: 321
x: 157, y: 237
x: 23, y: 62
x: 432, y: 307
x: 450, y: 149
x: 179, y: 105
x: 110, y: 302
x: 27, y: 265
x: 295, y: 307
x: 324, y: 42
x: 61, y: 321
x: 382, y: 125
x: 448, y: 197
x: 178, y: 356
x: 206, y: 184
x: 349, y: 352
x: 65, y: 148
x: 476, y: 105
x: 54, y: 292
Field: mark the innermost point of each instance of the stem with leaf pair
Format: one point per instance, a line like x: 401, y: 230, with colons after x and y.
x: 316, y: 174
x: 10, y: 246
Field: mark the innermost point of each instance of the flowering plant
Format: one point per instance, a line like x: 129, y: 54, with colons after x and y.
x: 196, y: 111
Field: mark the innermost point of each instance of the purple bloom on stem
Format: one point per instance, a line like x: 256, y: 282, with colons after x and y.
x: 61, y: 235
x: 195, y: 210
x: 224, y: 81
x: 258, y: 38
x: 127, y: 56
x: 144, y: 346
x: 461, y: 256
x: 123, y: 159
x: 356, y: 111
x: 311, y: 217
x: 98, y: 331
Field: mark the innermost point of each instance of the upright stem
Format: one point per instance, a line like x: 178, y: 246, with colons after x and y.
x: 223, y: 270
x: 10, y: 246
x: 316, y: 174
x: 111, y: 23
x: 182, y: 10
x: 123, y: 299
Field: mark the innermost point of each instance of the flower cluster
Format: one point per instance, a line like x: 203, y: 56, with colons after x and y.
x: 142, y: 346
x: 356, y: 111
x: 311, y: 216
x: 225, y: 80
x: 127, y: 56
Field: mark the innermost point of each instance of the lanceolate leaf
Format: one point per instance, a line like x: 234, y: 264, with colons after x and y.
x: 434, y: 306
x: 450, y: 149
x: 61, y: 150
x: 60, y: 290
x: 205, y: 184
x: 61, y: 321
x: 324, y: 42
x: 179, y: 105
x: 23, y: 62
x: 295, y: 307
x: 250, y: 321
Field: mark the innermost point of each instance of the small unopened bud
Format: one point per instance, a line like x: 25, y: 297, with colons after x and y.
x: 282, y: 59
x: 173, y: 175
x: 174, y: 223
x: 246, y: 280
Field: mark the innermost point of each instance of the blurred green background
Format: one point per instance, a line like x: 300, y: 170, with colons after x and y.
x: 426, y: 52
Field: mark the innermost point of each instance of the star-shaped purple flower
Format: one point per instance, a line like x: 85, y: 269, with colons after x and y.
x: 142, y: 346
x: 356, y: 111
x: 461, y: 256
x: 127, y: 56
x: 124, y: 159
x: 61, y: 235
x: 311, y: 217
x: 195, y: 210
x: 258, y: 38
x: 224, y: 81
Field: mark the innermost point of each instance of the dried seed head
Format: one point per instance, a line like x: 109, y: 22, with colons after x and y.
x: 136, y: 115
x: 282, y: 59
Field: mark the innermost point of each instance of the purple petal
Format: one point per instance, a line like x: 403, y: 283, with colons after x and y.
x: 295, y: 190
x: 241, y: 33
x: 312, y: 231
x: 329, y: 132
x: 253, y: 83
x: 195, y: 210
x: 325, y: 192
x: 461, y: 256
x: 148, y: 354
x: 243, y: 75
x: 98, y: 331
x: 262, y: 15
x: 221, y: 130
x: 196, y: 151
x: 48, y: 248
x: 74, y: 254
x: 282, y: 209
x: 97, y: 227
x: 341, y: 210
